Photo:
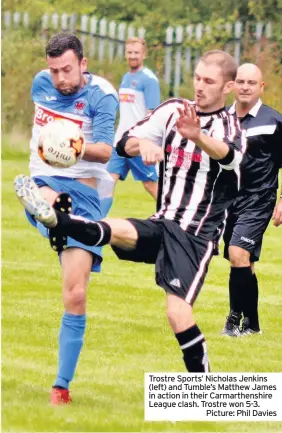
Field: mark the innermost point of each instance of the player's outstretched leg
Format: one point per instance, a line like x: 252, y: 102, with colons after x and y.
x: 58, y: 242
x: 30, y: 197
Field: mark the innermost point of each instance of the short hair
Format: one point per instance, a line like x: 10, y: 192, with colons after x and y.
x: 222, y: 59
x: 63, y: 42
x: 134, y: 40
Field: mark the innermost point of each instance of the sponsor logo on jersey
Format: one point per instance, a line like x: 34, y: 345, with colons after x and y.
x: 181, y: 158
x: 126, y: 97
x: 43, y: 116
x: 51, y: 98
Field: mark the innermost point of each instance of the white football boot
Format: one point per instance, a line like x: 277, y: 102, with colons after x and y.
x: 30, y: 197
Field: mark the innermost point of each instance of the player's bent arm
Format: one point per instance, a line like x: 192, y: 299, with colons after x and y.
x: 98, y: 152
x: 228, y: 157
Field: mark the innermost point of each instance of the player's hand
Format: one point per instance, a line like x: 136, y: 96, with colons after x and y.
x: 277, y: 214
x: 150, y: 152
x: 188, y: 123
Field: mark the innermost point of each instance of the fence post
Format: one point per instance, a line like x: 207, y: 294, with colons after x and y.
x: 64, y: 22
x: 17, y: 18
x: 55, y: 20
x: 72, y: 23
x: 199, y: 34
x: 44, y: 21
x: 112, y: 34
x: 93, y: 32
x: 130, y: 32
x: 237, y: 49
x: 102, y: 33
x: 168, y: 49
x: 268, y: 30
x: 25, y: 20
x: 141, y: 32
x: 7, y: 19
x: 121, y: 38
x: 178, y: 63
x: 258, y: 33
x: 188, y: 51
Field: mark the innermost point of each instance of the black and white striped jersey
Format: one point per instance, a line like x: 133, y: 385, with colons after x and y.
x: 194, y: 189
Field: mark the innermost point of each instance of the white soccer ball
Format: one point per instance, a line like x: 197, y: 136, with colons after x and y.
x: 61, y: 143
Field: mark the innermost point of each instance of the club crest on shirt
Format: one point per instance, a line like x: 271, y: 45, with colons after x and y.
x: 79, y: 106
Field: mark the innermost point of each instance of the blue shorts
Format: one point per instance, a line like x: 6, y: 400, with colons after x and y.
x: 85, y: 203
x: 140, y: 171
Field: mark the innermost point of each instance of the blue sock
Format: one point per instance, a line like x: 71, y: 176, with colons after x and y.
x: 106, y: 204
x: 70, y: 344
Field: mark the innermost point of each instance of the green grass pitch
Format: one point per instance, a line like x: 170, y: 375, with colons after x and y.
x: 127, y: 331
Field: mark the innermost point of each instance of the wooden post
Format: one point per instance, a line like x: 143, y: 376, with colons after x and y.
x: 112, y: 34
x: 102, y: 34
x: 93, y: 32
x: 237, y: 48
x: 130, y: 32
x: 121, y: 38
x: 168, y: 52
x: 178, y: 62
x: 72, y: 24
x: 188, y: 50
x: 25, y: 20
x: 258, y: 34
x: 141, y: 32
x: 44, y: 22
x: 64, y: 22
x: 7, y: 19
x: 55, y: 20
x: 17, y: 18
x: 199, y: 34
x: 268, y: 30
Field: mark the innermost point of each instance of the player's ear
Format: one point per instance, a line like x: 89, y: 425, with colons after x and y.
x: 83, y: 64
x: 228, y: 87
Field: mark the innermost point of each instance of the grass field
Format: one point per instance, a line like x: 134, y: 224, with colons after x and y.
x: 127, y: 332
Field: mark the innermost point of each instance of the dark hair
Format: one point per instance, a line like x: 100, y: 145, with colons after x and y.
x: 62, y: 42
x: 222, y: 59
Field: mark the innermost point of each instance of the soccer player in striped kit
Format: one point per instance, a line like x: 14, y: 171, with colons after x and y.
x: 199, y: 147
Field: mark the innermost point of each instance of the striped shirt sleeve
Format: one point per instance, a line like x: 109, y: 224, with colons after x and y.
x: 228, y: 130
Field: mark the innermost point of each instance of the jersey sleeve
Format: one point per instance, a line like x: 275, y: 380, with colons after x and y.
x: 152, y: 93
x: 152, y: 127
x: 278, y: 144
x: 104, y: 117
x: 229, y: 131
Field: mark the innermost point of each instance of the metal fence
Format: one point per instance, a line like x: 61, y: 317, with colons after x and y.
x: 105, y: 40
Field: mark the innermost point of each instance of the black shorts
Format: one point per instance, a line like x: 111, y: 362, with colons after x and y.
x: 247, y: 221
x: 181, y: 259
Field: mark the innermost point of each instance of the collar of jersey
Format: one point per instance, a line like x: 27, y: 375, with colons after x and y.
x: 211, y: 112
x: 76, y: 94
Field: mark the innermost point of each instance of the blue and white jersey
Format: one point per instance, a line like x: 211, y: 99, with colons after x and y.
x: 138, y: 93
x: 93, y: 108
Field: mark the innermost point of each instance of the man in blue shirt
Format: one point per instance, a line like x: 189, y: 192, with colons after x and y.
x: 139, y: 94
x: 66, y: 91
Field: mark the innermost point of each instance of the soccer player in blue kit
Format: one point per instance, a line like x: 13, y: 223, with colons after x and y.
x: 66, y: 90
x: 139, y: 94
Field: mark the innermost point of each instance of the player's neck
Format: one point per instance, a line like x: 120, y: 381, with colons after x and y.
x: 243, y: 109
x: 134, y: 70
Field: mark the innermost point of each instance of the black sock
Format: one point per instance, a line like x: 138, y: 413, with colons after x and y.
x: 86, y: 232
x: 251, y: 306
x: 239, y: 287
x: 193, y: 346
